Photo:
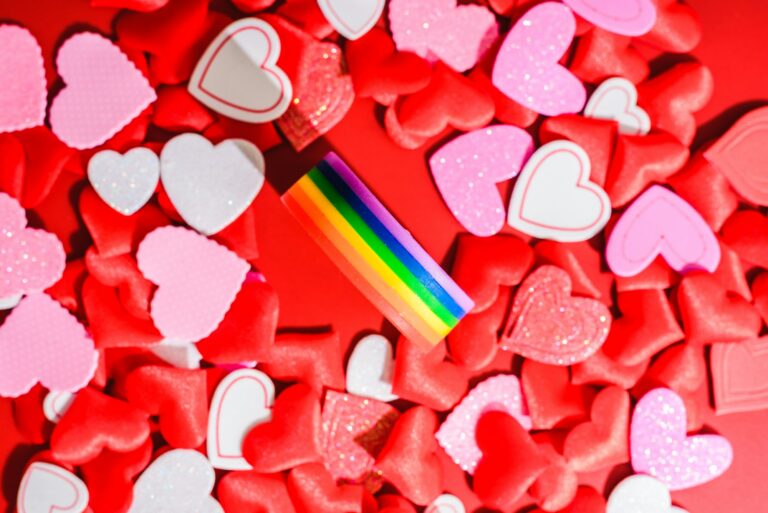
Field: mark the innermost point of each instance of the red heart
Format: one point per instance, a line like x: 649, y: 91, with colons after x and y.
x: 177, y: 24
x: 178, y: 111
x: 508, y: 111
x: 583, y: 263
x: 395, y: 130
x: 602, y: 370
x: 760, y: 292
x: 249, y: 6
x: 556, y: 487
x: 587, y: 500
x: 29, y: 418
x: 677, y: 28
x: 313, y: 490
x: 306, y: 15
x: 110, y: 478
x: 740, y: 375
x: 552, y: 400
x: 681, y: 368
x: 731, y: 273
x: 251, y: 492
x: 133, y: 5
x: 601, y: 55
x: 746, y: 232
x: 316, y: 359
x: 474, y: 341
x: 121, y: 271
x: 658, y: 275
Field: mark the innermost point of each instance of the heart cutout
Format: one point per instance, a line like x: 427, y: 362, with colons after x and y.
x: 352, y: 18
x: 739, y: 375
x: 616, y: 99
x: 370, y: 369
x: 125, y: 182
x: 47, y: 488
x: 626, y: 17
x: 21, y: 106
x: 641, y: 494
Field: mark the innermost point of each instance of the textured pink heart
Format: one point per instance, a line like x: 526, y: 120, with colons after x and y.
x: 41, y: 341
x: 467, y: 169
x: 104, y: 91
x: 197, y: 281
x: 456, y: 434
x: 441, y: 30
x: 30, y: 260
x: 626, y: 17
x: 23, y: 98
x: 660, y: 222
x: 527, y: 68
x: 659, y: 445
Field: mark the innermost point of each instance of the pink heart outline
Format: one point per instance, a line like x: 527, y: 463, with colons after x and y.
x: 23, y: 105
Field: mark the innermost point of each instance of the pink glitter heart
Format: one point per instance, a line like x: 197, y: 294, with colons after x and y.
x: 457, y: 434
x: 659, y: 445
x: 30, y: 260
x: 439, y: 30
x: 22, y: 98
x: 527, y: 68
x: 546, y: 324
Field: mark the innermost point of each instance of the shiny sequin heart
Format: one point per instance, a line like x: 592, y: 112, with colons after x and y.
x: 546, y: 324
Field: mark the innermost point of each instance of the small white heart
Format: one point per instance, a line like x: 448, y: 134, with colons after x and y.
x: 124, y: 182
x: 446, y: 503
x: 641, y: 493
x: 370, y: 368
x: 616, y: 99
x: 56, y: 404
x: 183, y: 356
x: 352, y: 18
x: 46, y: 488
x: 242, y: 400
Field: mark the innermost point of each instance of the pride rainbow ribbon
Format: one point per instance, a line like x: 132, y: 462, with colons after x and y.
x: 375, y: 252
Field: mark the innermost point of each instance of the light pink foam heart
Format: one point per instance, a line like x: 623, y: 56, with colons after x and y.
x: 626, y: 17
x: 104, y: 91
x: 467, y: 169
x: 457, y: 434
x: 527, y: 68
x: 197, y: 281
x: 659, y: 445
x: 441, y: 30
x: 23, y: 95
x: 41, y: 341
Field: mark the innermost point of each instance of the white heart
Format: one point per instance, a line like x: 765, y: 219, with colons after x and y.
x: 553, y: 197
x: 370, y: 368
x: 616, y: 99
x: 124, y: 182
x: 238, y: 77
x: 352, y: 18
x: 46, y: 488
x: 182, y: 356
x: 641, y: 494
x: 56, y: 404
x: 179, y: 481
x: 210, y: 186
x: 446, y: 503
x: 242, y: 400
x: 6, y: 303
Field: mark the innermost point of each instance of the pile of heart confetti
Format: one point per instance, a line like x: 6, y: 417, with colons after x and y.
x: 141, y: 348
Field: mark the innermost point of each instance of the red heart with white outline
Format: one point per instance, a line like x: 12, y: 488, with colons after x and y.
x: 46, y: 488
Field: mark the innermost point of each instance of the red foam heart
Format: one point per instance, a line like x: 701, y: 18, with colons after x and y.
x: 602, y: 370
x: 583, y: 263
x: 556, y: 487
x: 731, y: 273
x: 552, y: 400
x: 313, y: 490
x: 175, y: 25
x: 473, y: 343
x: 740, y: 376
x: 587, y: 500
x: 681, y: 368
x: 658, y: 275
x: 121, y: 271
x: 316, y: 359
x: 677, y: 29
x: 760, y: 292
x: 250, y: 492
x: 133, y: 5
x: 396, y: 132
x: 746, y: 232
x: 110, y: 478
x: 249, y: 6
x: 508, y: 111
x: 601, y: 55
x: 178, y: 111
x: 307, y: 16
x: 29, y: 418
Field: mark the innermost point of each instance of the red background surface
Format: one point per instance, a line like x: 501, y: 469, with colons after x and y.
x: 312, y: 291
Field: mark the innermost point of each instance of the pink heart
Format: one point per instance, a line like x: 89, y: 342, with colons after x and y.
x: 659, y: 445
x: 41, y: 341
x: 104, y: 91
x: 21, y: 63
x: 467, y: 169
x: 197, y: 281
x: 457, y: 434
x: 441, y: 30
x: 30, y: 260
x: 660, y: 222
x: 527, y: 68
x: 626, y: 17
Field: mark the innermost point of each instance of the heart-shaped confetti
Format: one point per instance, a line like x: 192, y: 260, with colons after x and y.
x: 352, y: 18
x: 626, y: 17
x: 370, y: 368
x: 21, y: 60
x: 740, y: 375
x: 616, y: 99
x: 641, y: 494
x: 46, y: 488
x: 125, y: 182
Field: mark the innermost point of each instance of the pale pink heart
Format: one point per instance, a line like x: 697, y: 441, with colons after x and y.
x: 467, y: 169
x: 626, y: 17
x: 659, y: 445
x: 197, y: 281
x: 47, y: 488
x: 457, y: 434
x: 441, y: 30
x: 660, y: 222
x: 30, y: 260
x: 527, y: 68
x: 41, y: 342
x: 23, y: 95
x: 104, y: 91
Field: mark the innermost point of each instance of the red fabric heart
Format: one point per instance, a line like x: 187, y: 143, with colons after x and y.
x: 508, y: 111
x: 316, y: 359
x: 110, y: 478
x: 133, y: 5
x: 473, y: 343
x: 739, y: 376
x: 583, y: 263
x: 251, y: 492
x: 602, y: 370
x: 760, y: 293
x: 681, y: 368
x: 552, y: 400
x: 587, y: 500
x: 601, y: 55
x: 29, y: 418
x: 122, y: 271
x: 249, y: 6
x: 731, y: 273
x: 746, y: 232
x: 178, y: 111
x: 307, y: 16
x: 313, y: 490
x: 677, y: 28
x: 658, y: 275
x: 176, y: 25
x: 396, y: 132
x: 556, y: 487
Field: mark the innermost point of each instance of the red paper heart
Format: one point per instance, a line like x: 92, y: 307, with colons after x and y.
x: 474, y: 341
x: 552, y: 400
x: 601, y: 55
x: 677, y: 28
x: 313, y: 490
x: 110, y: 478
x: 740, y: 375
x: 312, y: 358
x: 251, y: 492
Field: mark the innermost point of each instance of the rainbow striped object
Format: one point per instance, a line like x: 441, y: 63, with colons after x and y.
x: 376, y: 252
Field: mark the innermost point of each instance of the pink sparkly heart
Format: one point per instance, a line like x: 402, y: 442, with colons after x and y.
x: 659, y: 445
x: 197, y: 281
x: 30, y: 260
x: 457, y: 434
x: 41, y: 341
x: 467, y: 169
x: 548, y: 325
x: 23, y: 95
x: 527, y: 68
x: 441, y: 30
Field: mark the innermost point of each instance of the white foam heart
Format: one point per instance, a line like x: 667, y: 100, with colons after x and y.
x: 183, y: 356
x: 616, y: 99
x: 238, y: 76
x: 46, y: 488
x: 352, y: 18
x: 179, y: 481
x: 210, y: 186
x: 242, y: 400
x: 446, y: 503
x: 641, y: 493
x: 370, y: 368
x: 56, y: 404
x: 124, y: 182
x: 553, y: 197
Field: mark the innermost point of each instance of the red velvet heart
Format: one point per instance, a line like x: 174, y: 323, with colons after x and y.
x: 28, y: 416
x: 587, y: 500
x: 133, y: 5
x: 174, y: 26
x: 552, y: 400
x: 602, y: 370
x: 601, y: 55
x: 731, y: 273
x: 677, y: 28
x: 760, y: 293
x: 313, y: 490
x: 316, y: 359
x: 681, y: 368
x: 473, y: 343
x: 251, y: 492
x: 583, y: 263
x: 178, y: 111
x: 110, y: 478
x: 396, y: 132
x: 746, y: 232
x: 740, y: 375
x: 658, y: 275
x: 556, y: 487
x: 122, y: 271
x: 307, y: 16
x: 508, y: 111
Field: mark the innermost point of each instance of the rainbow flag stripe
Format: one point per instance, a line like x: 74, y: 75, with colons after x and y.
x: 374, y: 251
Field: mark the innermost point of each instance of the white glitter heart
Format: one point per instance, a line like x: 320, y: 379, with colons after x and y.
x: 124, y: 182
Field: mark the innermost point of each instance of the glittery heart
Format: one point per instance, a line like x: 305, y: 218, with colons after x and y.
x: 616, y: 99
x: 441, y: 30
x: 370, y: 368
x: 179, y: 480
x: 446, y: 503
x: 740, y: 375
x: 46, y: 488
x: 352, y: 18
x: 527, y: 68
x: 104, y: 92
x: 31, y: 260
x: 626, y: 17
x: 641, y: 494
x: 546, y: 324
x: 659, y: 445
x: 660, y: 222
x: 125, y: 182
x: 197, y: 279
x: 456, y: 434
x: 467, y: 169
x: 23, y: 105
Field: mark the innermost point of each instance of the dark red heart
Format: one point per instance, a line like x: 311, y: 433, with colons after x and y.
x: 677, y: 29
x: 473, y: 343
x: 552, y: 400
x: 110, y: 478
